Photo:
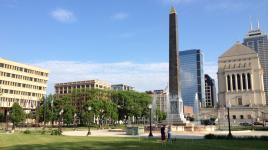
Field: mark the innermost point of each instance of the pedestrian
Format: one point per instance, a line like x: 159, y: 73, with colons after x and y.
x: 169, y: 134
x: 163, y: 134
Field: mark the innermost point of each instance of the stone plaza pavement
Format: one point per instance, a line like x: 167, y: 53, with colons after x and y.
x: 177, y: 135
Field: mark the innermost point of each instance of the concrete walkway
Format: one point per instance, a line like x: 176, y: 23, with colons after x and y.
x: 178, y: 135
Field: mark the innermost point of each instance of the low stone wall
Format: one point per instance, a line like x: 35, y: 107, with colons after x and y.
x: 133, y: 130
x: 192, y: 128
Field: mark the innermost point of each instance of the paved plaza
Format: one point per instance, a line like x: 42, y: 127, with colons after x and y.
x: 177, y: 135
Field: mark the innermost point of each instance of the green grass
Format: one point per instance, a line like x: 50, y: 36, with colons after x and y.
x: 47, y: 142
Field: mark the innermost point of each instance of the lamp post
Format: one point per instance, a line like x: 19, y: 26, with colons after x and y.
x: 150, y: 107
x: 88, y: 132
x: 60, y: 119
x: 229, y: 124
x: 52, y: 119
x: 74, y: 123
x: 263, y: 121
x: 44, y: 107
x: 7, y: 115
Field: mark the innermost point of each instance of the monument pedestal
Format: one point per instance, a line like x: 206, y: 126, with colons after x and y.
x: 175, y: 119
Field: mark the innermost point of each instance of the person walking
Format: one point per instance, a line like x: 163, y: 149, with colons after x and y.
x: 163, y: 134
x: 169, y: 134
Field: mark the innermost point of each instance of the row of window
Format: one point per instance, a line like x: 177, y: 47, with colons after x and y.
x: 15, y: 92
x: 10, y: 75
x: 68, y: 89
x: 8, y: 102
x: 239, y: 82
x: 237, y: 65
x: 241, y: 117
x: 12, y: 67
x: 16, y: 84
x: 236, y: 60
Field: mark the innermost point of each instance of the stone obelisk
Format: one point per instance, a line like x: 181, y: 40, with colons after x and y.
x: 175, y: 113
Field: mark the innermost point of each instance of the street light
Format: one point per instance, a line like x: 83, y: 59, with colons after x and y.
x: 150, y: 107
x: 7, y: 114
x: 88, y: 132
x: 74, y: 123
x: 228, y: 106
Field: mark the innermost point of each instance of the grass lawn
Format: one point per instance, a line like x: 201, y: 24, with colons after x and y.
x: 47, y: 142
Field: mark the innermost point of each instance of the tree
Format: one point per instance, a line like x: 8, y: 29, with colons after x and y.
x: 64, y: 104
x: 45, y: 112
x: 131, y: 103
x: 17, y: 114
x: 160, y: 115
x: 2, y: 119
x: 104, y: 109
x: 68, y: 114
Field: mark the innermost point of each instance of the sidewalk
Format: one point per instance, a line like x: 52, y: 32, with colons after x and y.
x: 177, y: 135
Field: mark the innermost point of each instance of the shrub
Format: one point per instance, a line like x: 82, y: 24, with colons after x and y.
x: 212, y: 136
x: 43, y: 132
x: 56, y: 132
x: 27, y: 132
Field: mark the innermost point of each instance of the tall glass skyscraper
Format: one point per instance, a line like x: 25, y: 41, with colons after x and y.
x: 192, y: 78
x: 257, y: 40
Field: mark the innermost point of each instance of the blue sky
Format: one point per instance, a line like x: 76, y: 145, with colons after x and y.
x: 120, y: 40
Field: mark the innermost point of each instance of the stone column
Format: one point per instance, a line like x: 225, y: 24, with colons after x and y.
x: 241, y: 82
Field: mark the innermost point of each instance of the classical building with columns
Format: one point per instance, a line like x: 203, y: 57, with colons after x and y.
x: 240, y: 86
x: 240, y: 78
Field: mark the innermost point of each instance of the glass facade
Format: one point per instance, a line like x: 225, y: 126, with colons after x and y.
x: 192, y: 78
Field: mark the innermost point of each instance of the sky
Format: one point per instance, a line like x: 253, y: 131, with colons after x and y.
x: 120, y: 41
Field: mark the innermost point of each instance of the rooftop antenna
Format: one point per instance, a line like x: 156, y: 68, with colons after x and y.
x: 251, y: 26
x: 258, y: 26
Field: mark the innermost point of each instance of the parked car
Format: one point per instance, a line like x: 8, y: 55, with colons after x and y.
x: 257, y: 123
x: 245, y: 124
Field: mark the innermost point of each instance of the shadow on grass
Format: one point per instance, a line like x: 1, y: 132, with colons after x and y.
x: 145, y: 144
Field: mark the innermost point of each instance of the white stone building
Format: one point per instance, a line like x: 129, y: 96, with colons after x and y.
x: 240, y: 78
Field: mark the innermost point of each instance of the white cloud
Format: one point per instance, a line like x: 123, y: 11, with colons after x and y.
x: 149, y: 76
x: 63, y: 15
x: 120, y: 16
x: 142, y: 76
x: 211, y: 68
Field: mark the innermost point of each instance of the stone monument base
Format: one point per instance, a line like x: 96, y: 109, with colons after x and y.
x: 175, y: 119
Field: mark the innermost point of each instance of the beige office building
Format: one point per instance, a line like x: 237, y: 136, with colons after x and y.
x: 21, y: 83
x: 69, y: 87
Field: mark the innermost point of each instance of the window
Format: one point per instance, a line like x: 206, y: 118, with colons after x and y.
x: 239, y: 101
x: 249, y: 81
x: 249, y: 117
x: 241, y: 117
x: 233, y: 82
x: 228, y: 83
x: 234, y: 116
x: 238, y: 82
x: 2, y: 65
x: 244, y: 81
